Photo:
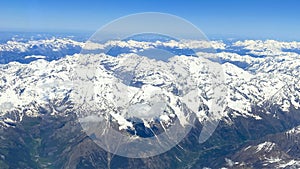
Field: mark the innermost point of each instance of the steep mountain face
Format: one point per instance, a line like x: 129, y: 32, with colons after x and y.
x: 258, y: 128
x: 279, y: 150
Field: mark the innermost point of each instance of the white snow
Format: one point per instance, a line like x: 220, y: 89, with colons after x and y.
x: 295, y: 130
x: 268, y: 79
x: 266, y: 146
x: 35, y: 56
x: 291, y: 163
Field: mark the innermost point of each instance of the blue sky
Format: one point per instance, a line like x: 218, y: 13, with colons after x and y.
x: 276, y: 19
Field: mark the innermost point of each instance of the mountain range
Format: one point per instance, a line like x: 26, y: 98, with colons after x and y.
x: 48, y: 87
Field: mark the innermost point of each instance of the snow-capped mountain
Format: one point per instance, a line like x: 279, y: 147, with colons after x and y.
x: 274, y: 151
x: 265, y: 80
x: 26, y: 89
x: 27, y: 51
x: 262, y: 94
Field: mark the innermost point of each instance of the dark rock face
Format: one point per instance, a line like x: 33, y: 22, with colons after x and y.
x: 59, y: 142
x: 270, y: 151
